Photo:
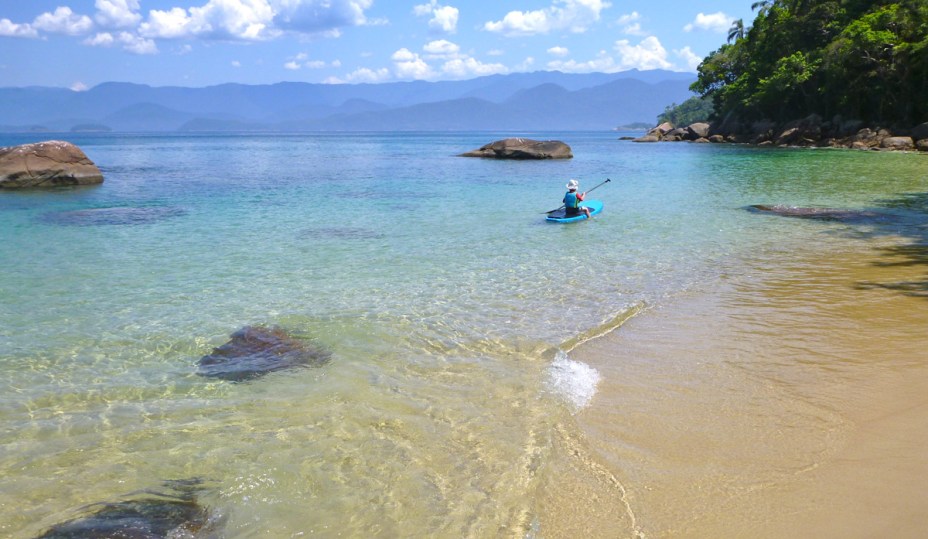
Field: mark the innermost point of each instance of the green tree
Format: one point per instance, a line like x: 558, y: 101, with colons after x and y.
x: 864, y: 59
x: 694, y: 109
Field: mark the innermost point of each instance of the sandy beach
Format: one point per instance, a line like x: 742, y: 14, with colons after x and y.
x: 792, y: 404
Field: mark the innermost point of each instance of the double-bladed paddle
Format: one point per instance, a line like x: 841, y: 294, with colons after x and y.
x: 588, y: 192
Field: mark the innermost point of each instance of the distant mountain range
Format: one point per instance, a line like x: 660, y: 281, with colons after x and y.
x: 543, y: 100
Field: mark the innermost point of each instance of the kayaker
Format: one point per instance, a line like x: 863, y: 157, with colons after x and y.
x: 573, y: 199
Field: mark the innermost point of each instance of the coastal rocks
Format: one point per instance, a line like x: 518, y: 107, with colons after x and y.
x: 52, y: 163
x: 822, y: 214
x: 811, y: 131
x: 522, y: 148
x: 254, y: 351
x: 174, y: 514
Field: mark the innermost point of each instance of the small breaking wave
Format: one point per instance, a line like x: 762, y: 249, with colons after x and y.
x: 574, y: 381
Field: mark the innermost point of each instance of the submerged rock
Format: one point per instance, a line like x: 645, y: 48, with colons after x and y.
x: 161, y: 515
x: 823, y: 214
x: 255, y: 351
x: 113, y: 216
x: 46, y: 164
x: 522, y: 148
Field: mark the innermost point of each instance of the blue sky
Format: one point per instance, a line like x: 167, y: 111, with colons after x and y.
x: 80, y: 43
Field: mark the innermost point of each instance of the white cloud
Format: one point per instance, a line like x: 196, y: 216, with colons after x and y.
x: 236, y: 63
x: 130, y: 42
x: 254, y: 20
x: 409, y: 65
x: 629, y: 18
x: 302, y: 60
x: 648, y: 54
x: 137, y: 44
x: 9, y: 28
x: 715, y: 22
x: 361, y: 75
x: 117, y: 13
x: 102, y: 39
x: 63, y: 21
x: 444, y: 18
x: 78, y: 86
x: 441, y: 49
x: 631, y: 24
x: 573, y: 15
x: 315, y: 16
x: 690, y: 59
x: 465, y: 67
x: 558, y: 51
x: 602, y: 63
x: 175, y: 23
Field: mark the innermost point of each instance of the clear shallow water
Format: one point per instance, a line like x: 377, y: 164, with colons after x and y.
x: 433, y: 279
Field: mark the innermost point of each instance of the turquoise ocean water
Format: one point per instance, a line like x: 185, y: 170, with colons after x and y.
x: 433, y: 279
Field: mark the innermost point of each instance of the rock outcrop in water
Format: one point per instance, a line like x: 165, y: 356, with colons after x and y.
x: 522, y: 148
x: 255, y: 351
x: 160, y: 515
x: 46, y: 164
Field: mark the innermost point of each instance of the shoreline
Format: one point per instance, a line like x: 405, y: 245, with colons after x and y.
x: 776, y: 408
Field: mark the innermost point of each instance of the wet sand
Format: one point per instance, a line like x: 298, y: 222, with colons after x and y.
x: 785, y: 402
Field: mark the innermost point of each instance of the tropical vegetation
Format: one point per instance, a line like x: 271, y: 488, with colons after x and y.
x: 858, y: 59
x: 694, y: 109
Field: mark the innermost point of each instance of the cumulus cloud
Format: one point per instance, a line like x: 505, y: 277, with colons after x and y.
x: 444, y: 18
x: 466, y: 66
x: 117, y: 13
x: 558, y: 51
x: 361, y: 75
x: 217, y: 19
x: 129, y: 42
x: 409, y: 65
x: 9, y: 28
x: 572, y: 15
x: 441, y: 49
x: 648, y: 54
x: 63, y: 21
x: 254, y: 20
x: 314, y: 16
x: 690, y: 59
x: 715, y: 22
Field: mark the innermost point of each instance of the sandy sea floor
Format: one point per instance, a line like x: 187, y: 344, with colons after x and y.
x: 792, y: 403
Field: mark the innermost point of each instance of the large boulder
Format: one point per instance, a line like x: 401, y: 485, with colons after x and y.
x: 697, y: 130
x: 898, y: 143
x: 522, y: 148
x: 46, y: 164
x: 255, y: 351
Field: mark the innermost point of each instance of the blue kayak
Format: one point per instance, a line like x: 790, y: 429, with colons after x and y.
x: 560, y: 216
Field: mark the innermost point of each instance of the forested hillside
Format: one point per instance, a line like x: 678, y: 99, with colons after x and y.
x: 865, y: 60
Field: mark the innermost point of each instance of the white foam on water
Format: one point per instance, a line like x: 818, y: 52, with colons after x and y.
x: 574, y: 381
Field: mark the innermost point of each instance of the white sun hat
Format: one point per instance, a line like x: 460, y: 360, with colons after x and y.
x: 572, y: 184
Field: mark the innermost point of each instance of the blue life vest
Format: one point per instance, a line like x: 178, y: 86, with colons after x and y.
x: 571, y: 201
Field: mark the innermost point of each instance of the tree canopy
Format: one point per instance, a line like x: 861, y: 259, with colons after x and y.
x: 861, y: 59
